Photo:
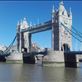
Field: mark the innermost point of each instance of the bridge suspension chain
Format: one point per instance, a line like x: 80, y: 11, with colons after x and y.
x: 74, y: 30
x: 72, y: 33
x: 8, y: 49
x: 77, y: 32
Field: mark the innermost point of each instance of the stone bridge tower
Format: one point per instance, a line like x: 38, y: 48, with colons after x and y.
x: 61, y: 38
x: 23, y: 38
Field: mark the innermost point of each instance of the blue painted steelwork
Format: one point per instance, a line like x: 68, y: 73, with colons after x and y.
x: 39, y: 28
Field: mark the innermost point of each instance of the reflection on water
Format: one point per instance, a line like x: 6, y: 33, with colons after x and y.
x: 36, y: 73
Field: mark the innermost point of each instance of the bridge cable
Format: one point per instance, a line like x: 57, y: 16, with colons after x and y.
x: 79, y: 33
x: 8, y: 48
x: 70, y: 32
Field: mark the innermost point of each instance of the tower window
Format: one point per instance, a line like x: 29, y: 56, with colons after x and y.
x: 63, y: 13
x: 65, y: 32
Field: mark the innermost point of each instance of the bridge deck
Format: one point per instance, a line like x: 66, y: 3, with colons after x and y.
x: 39, y: 28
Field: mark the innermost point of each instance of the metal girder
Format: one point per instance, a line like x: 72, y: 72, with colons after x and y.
x: 39, y: 28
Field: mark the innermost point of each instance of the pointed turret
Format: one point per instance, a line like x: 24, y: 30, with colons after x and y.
x: 21, y: 24
x: 24, y: 23
x: 70, y: 13
x: 62, y: 10
x: 61, y: 3
x: 53, y: 10
x: 53, y: 14
x: 61, y: 6
x: 18, y: 26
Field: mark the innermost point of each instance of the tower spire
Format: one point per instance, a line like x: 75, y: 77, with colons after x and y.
x: 53, y: 10
x: 61, y: 2
x: 18, y: 25
x: 70, y: 11
x: 25, y: 24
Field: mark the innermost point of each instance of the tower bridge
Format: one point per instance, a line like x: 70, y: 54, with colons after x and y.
x: 61, y: 39
x: 61, y: 26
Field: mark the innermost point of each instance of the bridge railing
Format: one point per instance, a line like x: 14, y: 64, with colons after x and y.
x: 42, y: 26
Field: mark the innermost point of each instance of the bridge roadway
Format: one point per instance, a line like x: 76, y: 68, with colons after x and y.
x: 39, y: 27
x: 43, y: 53
x: 73, y: 52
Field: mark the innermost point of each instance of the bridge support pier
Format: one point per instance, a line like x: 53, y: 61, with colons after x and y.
x: 2, y: 58
x: 15, y: 57
x: 71, y: 60
x: 54, y: 58
x: 28, y: 59
x: 61, y: 59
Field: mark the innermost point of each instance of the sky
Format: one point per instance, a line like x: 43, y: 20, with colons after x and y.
x: 36, y: 12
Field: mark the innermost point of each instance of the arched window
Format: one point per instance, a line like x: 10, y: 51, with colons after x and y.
x: 63, y: 13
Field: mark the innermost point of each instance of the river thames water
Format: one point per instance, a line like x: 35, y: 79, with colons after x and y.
x: 38, y: 73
